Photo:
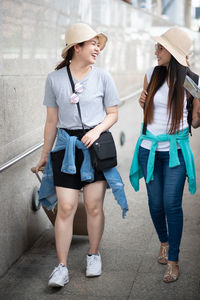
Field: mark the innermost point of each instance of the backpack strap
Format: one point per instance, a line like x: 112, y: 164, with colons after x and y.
x: 190, y: 98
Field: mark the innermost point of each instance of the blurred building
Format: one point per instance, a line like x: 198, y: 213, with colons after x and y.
x: 180, y: 12
x: 195, y: 24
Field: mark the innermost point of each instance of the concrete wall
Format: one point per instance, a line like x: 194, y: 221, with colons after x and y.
x: 31, y: 40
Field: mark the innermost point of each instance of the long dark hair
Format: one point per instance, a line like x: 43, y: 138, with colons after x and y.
x: 175, y: 74
x: 68, y: 58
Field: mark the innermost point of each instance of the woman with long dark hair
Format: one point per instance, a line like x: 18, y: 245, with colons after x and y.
x: 68, y: 166
x: 163, y: 155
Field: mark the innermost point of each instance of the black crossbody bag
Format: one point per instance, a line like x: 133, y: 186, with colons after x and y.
x: 103, y: 151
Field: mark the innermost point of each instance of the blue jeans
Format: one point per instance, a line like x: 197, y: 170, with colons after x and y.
x: 165, y: 198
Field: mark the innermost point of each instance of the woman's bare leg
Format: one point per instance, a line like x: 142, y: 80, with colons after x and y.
x: 67, y: 205
x: 93, y: 197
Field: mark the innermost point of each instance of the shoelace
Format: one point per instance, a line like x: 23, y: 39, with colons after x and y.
x: 92, y: 260
x: 57, y: 269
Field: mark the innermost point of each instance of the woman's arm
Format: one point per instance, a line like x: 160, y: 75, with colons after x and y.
x: 111, y: 118
x: 196, y: 113
x: 50, y: 131
x: 143, y: 96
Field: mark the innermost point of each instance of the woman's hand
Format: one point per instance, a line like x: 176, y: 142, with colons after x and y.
x: 143, y: 98
x: 90, y: 137
x: 42, y: 162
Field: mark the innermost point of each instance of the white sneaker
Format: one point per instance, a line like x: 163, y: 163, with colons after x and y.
x: 94, y: 265
x: 59, y: 277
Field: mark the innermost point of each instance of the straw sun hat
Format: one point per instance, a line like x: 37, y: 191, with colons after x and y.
x: 81, y: 32
x: 177, y: 42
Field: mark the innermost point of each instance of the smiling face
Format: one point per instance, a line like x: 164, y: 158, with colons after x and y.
x: 89, y: 51
x: 163, y: 56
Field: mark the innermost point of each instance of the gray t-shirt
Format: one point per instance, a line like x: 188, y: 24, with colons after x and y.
x: 99, y: 92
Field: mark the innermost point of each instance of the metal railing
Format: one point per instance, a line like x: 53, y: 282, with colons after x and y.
x: 20, y: 156
x: 39, y: 145
x: 130, y: 96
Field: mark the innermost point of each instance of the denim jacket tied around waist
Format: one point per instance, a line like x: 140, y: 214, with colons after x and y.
x: 47, y: 192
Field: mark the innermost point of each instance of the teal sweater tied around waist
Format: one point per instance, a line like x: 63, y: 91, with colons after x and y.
x: 182, y: 139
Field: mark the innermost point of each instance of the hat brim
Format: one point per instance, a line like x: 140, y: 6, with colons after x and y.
x: 102, y: 41
x: 180, y: 57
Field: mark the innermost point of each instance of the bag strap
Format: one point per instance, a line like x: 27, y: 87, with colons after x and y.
x: 189, y: 106
x: 73, y: 90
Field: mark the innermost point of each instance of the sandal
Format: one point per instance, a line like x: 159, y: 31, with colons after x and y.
x: 163, y: 258
x: 170, y: 276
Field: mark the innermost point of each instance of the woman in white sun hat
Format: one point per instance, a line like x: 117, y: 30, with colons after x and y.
x: 96, y: 93
x: 163, y: 155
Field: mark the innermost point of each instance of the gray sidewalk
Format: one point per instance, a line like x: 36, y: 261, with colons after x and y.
x: 129, y: 248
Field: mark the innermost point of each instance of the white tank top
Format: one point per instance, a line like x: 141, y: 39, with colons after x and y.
x: 160, y: 124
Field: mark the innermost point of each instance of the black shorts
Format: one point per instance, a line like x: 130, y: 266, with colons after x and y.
x: 72, y: 181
